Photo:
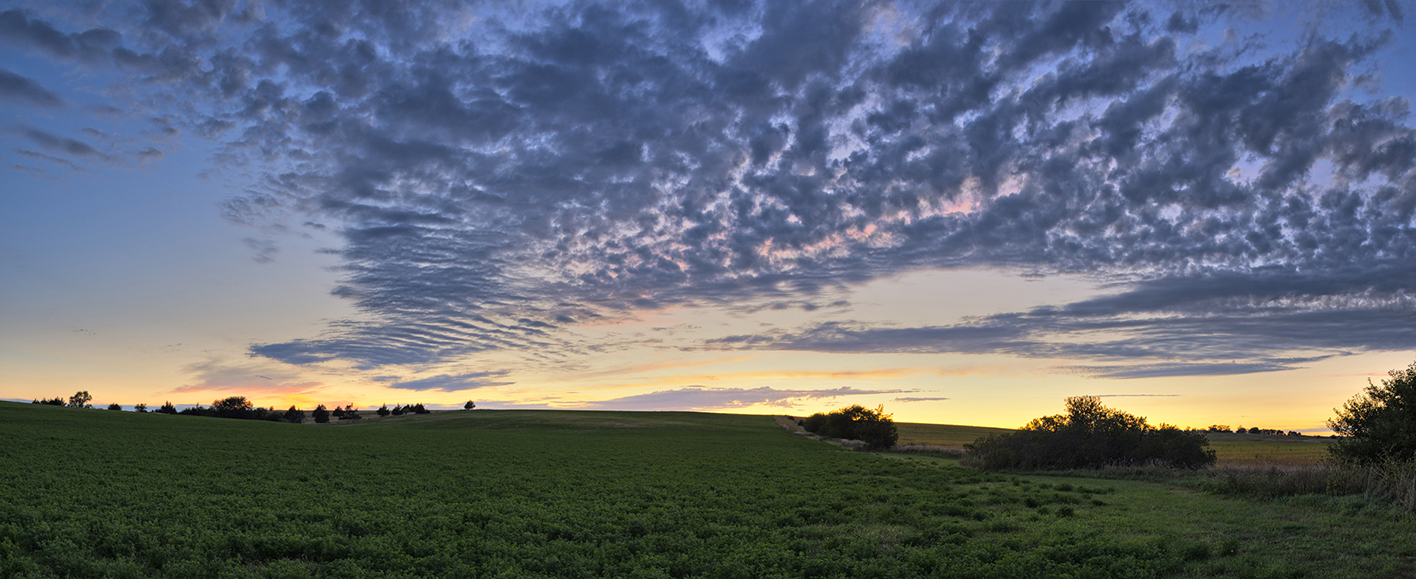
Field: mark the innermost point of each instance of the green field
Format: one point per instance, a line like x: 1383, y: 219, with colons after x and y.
x: 91, y: 493
x: 1231, y: 449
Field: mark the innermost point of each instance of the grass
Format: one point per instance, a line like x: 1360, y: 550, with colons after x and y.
x: 607, y: 494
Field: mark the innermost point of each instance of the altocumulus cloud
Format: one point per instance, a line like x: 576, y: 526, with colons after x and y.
x: 497, y: 177
x: 450, y: 382
x: 700, y: 398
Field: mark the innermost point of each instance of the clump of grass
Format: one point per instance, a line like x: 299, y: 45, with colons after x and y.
x: 1392, y: 480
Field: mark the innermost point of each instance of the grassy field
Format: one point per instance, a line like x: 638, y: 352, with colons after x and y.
x: 1261, y: 449
x: 91, y: 493
x: 1231, y: 449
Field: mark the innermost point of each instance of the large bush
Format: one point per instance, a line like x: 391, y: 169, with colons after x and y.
x: 1090, y: 435
x: 1379, y: 423
x: 873, y: 427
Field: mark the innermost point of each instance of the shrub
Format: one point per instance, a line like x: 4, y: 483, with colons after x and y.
x: 351, y: 414
x: 140, y: 407
x: 294, y: 415
x: 338, y: 412
x: 321, y: 414
x: 382, y: 411
x: 398, y: 410
x: 469, y: 405
x: 115, y: 406
x: 166, y: 408
x: 1379, y: 423
x: 1090, y: 435
x: 873, y: 427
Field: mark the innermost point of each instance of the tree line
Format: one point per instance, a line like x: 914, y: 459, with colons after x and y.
x: 241, y: 408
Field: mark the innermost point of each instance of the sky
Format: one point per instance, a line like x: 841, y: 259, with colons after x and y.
x: 963, y: 211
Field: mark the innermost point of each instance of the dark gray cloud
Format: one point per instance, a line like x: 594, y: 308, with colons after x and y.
x: 452, y: 382
x: 63, y: 145
x: 701, y: 398
x: 496, y: 177
x: 24, y: 89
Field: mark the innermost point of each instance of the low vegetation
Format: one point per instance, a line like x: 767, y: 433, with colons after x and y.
x: 605, y: 494
x: 873, y: 427
x: 1090, y: 435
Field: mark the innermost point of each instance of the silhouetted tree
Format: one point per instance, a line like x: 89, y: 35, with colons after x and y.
x: 350, y: 413
x: 321, y: 414
x: 140, y: 407
x: 856, y: 422
x: 55, y: 401
x: 233, y: 407
x: 383, y: 411
x: 294, y: 415
x: 1380, y: 422
x: 115, y: 406
x: 419, y: 409
x: 80, y: 399
x: 338, y: 411
x: 398, y: 410
x: 167, y: 408
x: 1090, y: 435
x: 469, y: 405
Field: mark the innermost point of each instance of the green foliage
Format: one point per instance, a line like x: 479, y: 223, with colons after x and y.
x: 873, y: 427
x: 1090, y: 435
x: 321, y: 414
x: 80, y: 399
x: 1379, y: 423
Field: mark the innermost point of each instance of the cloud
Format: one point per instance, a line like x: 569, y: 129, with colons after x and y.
x: 70, y: 165
x: 919, y: 399
x: 253, y: 378
x: 494, y: 185
x: 24, y: 89
x: 701, y: 398
x: 453, y: 383
x: 59, y: 144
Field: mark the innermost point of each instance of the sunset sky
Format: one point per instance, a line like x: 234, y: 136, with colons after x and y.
x: 964, y: 211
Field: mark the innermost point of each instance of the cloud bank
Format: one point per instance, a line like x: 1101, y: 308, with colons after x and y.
x: 497, y: 178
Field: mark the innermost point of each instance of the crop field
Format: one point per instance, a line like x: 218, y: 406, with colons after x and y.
x: 95, y: 493
x: 1231, y: 449
x: 951, y: 435
x: 1254, y: 449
